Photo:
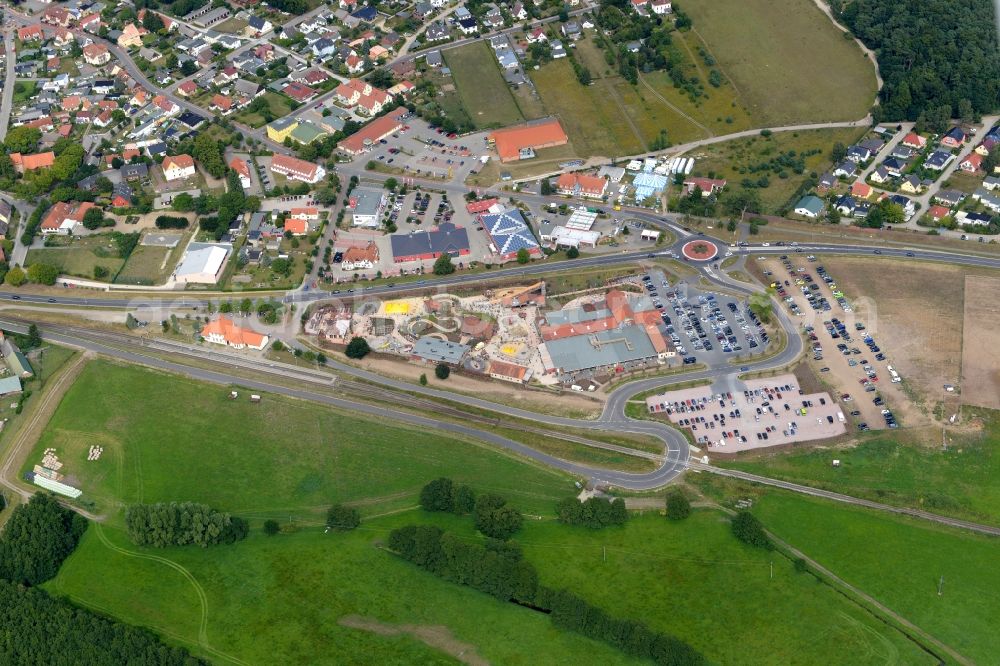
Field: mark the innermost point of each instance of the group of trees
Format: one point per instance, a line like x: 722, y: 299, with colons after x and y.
x: 443, y: 265
x: 37, y: 538
x: 678, y: 506
x: 340, y: 517
x: 172, y: 221
x: 182, y: 523
x: 357, y: 348
x: 498, y: 568
x: 493, y: 516
x: 593, y: 512
x: 938, y: 58
x: 444, y: 495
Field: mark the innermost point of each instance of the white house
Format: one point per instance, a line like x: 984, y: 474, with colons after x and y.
x: 176, y: 167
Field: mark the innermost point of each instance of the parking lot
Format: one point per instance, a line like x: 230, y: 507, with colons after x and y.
x: 843, y: 351
x: 417, y: 150
x: 707, y: 327
x: 759, y: 413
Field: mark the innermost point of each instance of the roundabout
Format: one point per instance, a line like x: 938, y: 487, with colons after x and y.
x: 700, y: 250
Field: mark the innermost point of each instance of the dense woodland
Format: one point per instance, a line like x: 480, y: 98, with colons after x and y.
x: 37, y: 538
x: 38, y: 629
x: 939, y: 58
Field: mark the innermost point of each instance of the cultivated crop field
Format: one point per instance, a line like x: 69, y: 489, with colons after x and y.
x: 485, y: 94
x: 787, y: 60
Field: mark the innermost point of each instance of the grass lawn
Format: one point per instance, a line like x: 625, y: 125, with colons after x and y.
x: 80, y: 257
x: 895, y: 468
x: 23, y: 91
x: 737, y: 159
x: 149, y: 264
x: 900, y: 562
x: 233, y: 26
x: 278, y: 104
x: 483, y: 90
x: 296, y: 457
x: 786, y: 60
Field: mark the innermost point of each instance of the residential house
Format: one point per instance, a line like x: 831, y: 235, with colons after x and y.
x: 30, y: 33
x: 937, y: 213
x: 708, y: 186
x: 860, y: 189
x: 845, y: 205
x: 131, y: 36
x: 915, y: 141
x: 63, y: 217
x: 938, y: 160
x: 895, y: 166
x: 436, y: 32
x: 242, y: 169
x: 96, y: 54
x: 468, y: 26
x: 26, y: 163
x: 950, y: 198
x: 259, y: 26
x: 809, y: 206
x: 972, y: 164
x: 134, y: 172
x: 121, y: 195
x: 299, y: 92
x: 827, y: 181
x: 858, y: 153
x: 360, y: 258
x: 954, y: 138
x: 187, y: 89
x: 880, y: 175
x: 846, y: 169
x: 571, y: 30
x: 176, y: 167
x: 221, y: 103
x: 323, y: 47
x: 911, y: 185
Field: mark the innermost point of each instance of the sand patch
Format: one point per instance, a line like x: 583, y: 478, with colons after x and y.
x: 439, y: 637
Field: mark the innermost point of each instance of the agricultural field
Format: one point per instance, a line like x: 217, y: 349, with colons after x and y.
x: 757, y: 157
x: 786, y: 60
x: 149, y: 265
x: 901, y: 468
x: 79, y: 257
x: 942, y: 580
x: 484, y: 92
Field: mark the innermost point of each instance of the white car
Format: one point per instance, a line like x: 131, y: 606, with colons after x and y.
x: 765, y: 245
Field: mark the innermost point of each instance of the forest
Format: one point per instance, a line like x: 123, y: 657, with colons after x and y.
x: 938, y: 58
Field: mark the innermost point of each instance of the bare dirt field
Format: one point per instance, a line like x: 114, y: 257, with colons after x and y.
x: 436, y: 636
x: 980, y: 340
x: 916, y: 311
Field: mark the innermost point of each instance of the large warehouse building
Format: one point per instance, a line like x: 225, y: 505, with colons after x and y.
x: 519, y: 143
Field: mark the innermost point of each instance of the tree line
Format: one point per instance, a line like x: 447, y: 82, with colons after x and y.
x: 498, y: 568
x: 593, y: 512
x: 182, y: 523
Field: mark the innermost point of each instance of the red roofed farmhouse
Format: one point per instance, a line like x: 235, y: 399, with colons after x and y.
x: 63, y: 217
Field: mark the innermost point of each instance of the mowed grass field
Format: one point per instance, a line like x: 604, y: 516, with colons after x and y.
x: 900, y: 562
x: 734, y: 160
x: 279, y: 105
x: 80, y: 258
x: 282, y: 599
x: 900, y: 468
x: 169, y: 438
x: 482, y: 88
x: 148, y: 264
x: 786, y: 59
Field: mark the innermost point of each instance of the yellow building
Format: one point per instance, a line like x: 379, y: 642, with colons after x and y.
x: 281, y: 129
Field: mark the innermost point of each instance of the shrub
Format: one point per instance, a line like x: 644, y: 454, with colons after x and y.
x: 678, y: 506
x: 750, y: 531
x: 594, y: 512
x: 340, y: 517
x: 442, y: 371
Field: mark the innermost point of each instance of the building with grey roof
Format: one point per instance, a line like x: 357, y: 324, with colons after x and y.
x: 601, y: 351
x: 434, y: 350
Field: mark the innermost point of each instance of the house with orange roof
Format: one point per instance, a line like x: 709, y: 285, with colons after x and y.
x: 25, y: 163
x: 30, y: 33
x: 176, y: 167
x: 972, y: 163
x: 508, y: 372
x: 296, y: 226
x: 53, y: 63
x: 915, y: 141
x: 581, y: 185
x: 223, y: 331
x: 90, y: 22
x: 861, y: 189
x: 131, y: 36
x: 187, y: 88
x: 63, y: 217
x: 221, y: 103
x: 96, y: 54
x: 937, y: 212
x: 103, y: 119
x: 242, y: 169
x: 354, y: 64
x: 516, y: 143
x: 308, y: 213
x: 44, y: 124
x: 360, y: 258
